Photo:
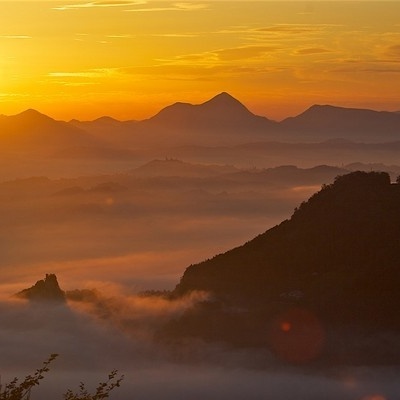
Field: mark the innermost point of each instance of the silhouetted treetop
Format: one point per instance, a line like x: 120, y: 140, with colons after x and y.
x: 361, y: 178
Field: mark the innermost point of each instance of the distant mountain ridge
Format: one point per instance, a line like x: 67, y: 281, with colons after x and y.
x: 224, y: 114
x: 222, y: 120
x: 347, y: 123
x: 34, y: 130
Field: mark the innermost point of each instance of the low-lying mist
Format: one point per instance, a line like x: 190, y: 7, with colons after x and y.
x: 116, y: 330
x: 142, y: 231
x: 123, y: 233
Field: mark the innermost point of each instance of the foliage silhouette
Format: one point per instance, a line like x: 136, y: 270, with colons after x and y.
x: 102, y: 391
x: 18, y: 391
x: 14, y: 390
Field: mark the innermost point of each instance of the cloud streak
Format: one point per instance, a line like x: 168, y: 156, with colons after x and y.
x: 295, y: 29
x: 132, y: 6
x: 174, y: 7
x: 15, y: 37
x: 244, y: 52
x: 100, y: 4
x: 94, y: 73
x: 312, y: 50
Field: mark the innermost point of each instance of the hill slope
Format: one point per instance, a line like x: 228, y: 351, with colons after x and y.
x: 337, y: 258
x: 31, y: 130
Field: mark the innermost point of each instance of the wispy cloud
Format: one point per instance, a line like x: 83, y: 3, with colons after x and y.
x: 94, y: 73
x: 182, y: 6
x: 176, y: 35
x: 220, y: 57
x: 15, y: 37
x: 188, y: 6
x: 124, y: 36
x: 374, y: 68
x: 295, y: 29
x: 312, y: 50
x: 244, y: 52
x: 76, y: 84
x: 94, y: 4
x: 191, y: 6
x: 204, y: 70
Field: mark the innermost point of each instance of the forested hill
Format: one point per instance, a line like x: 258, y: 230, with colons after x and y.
x: 338, y: 255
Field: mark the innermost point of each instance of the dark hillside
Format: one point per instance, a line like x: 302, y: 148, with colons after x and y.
x: 338, y: 257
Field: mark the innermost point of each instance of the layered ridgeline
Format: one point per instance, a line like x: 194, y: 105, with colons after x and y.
x: 333, y: 266
x: 219, y: 121
x: 224, y: 120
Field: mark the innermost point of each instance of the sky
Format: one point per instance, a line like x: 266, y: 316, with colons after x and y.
x: 130, y: 58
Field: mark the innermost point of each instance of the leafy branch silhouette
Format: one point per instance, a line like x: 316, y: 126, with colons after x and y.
x: 16, y: 390
x: 102, y: 391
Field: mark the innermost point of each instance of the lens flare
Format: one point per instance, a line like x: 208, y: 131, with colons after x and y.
x: 296, y: 336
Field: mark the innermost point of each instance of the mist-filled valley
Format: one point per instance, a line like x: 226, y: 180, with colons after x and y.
x: 150, y: 222
x: 119, y: 217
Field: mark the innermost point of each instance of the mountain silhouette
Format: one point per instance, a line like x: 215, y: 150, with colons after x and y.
x: 31, y: 130
x: 223, y: 110
x: 336, y: 259
x: 109, y: 130
x: 320, y: 122
x: 224, y: 120
x: 220, y: 120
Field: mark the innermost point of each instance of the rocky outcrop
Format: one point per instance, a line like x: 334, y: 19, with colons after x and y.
x: 45, y: 290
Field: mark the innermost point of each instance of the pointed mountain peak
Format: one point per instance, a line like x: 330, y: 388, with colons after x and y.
x: 224, y: 102
x: 32, y: 114
x: 222, y: 113
x: 30, y: 111
x: 225, y: 99
x: 225, y: 96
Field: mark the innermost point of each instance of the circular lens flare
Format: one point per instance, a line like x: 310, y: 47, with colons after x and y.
x: 296, y: 336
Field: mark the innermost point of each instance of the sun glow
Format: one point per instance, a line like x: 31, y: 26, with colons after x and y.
x: 77, y: 59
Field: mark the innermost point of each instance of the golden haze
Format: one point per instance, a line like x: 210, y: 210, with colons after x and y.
x: 128, y: 59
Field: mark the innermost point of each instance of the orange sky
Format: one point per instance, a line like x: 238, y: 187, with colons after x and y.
x: 128, y: 59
